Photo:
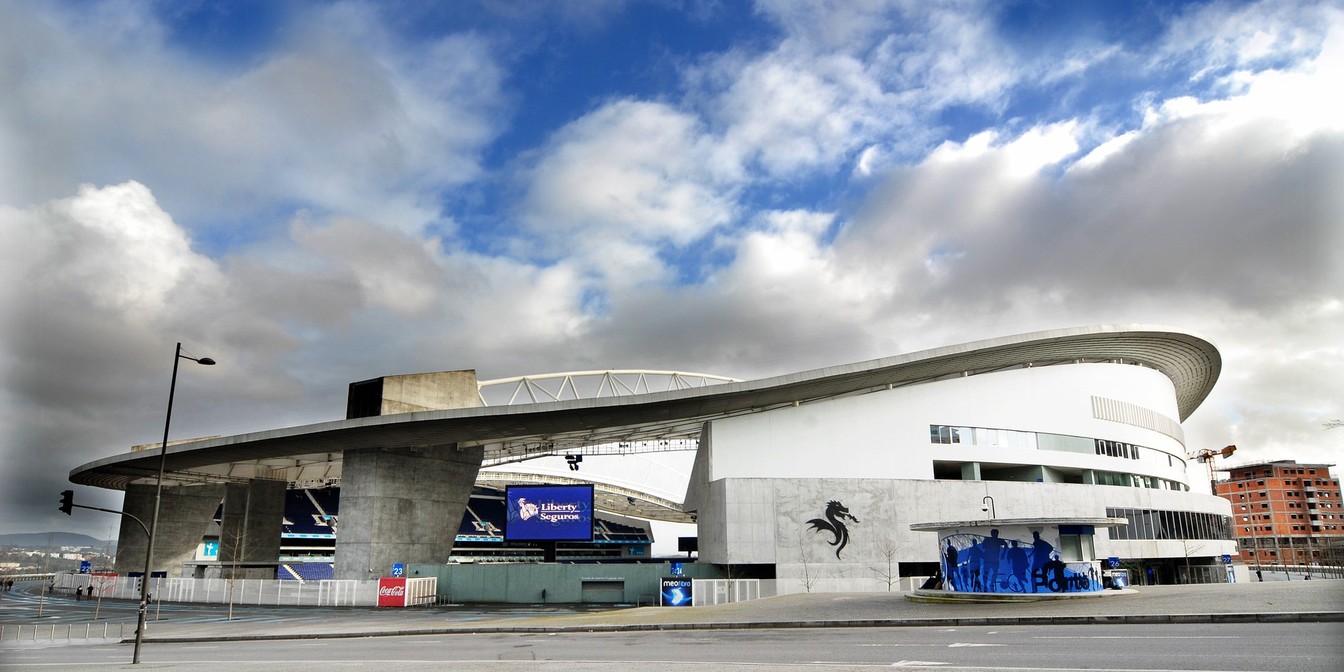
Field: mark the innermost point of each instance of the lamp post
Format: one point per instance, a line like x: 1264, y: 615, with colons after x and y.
x: 158, y: 494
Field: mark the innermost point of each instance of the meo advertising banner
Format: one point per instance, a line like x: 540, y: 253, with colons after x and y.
x: 391, y: 592
x: 549, y: 513
x: 675, y: 591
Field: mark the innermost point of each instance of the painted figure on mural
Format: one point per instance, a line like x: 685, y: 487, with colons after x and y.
x: 993, y: 548
x: 1020, y: 566
x: 950, y: 556
x: 1040, y: 556
x: 975, y: 558
x: 1052, y: 576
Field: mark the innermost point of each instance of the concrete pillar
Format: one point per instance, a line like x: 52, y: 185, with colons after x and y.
x: 402, y: 505
x: 186, y: 516
x: 249, y: 538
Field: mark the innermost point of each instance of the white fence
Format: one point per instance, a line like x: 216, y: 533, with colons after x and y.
x: 66, y: 631
x: 422, y: 591
x: 706, y: 592
x: 268, y: 592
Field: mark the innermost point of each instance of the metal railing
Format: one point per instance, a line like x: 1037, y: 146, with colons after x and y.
x: 264, y: 592
x: 64, y: 631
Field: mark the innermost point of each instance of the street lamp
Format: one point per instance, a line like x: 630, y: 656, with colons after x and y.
x: 158, y: 493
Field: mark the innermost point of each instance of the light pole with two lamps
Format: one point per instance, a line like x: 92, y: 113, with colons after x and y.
x: 158, y: 493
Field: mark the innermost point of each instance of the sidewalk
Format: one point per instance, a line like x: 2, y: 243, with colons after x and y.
x: 1299, y: 601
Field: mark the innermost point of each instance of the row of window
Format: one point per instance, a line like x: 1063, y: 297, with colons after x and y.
x: 1306, y: 482
x: 1009, y: 438
x: 982, y: 436
x: 1294, y: 516
x: 1117, y: 449
x: 1137, y: 481
x: 1160, y: 524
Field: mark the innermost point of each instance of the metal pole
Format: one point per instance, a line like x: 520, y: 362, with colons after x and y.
x: 154, y: 521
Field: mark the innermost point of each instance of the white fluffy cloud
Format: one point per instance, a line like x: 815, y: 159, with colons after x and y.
x: 619, y: 183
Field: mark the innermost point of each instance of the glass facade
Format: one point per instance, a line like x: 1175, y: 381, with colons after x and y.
x: 1008, y: 438
x: 1160, y: 524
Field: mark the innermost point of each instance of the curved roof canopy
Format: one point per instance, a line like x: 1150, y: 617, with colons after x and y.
x: 520, y: 431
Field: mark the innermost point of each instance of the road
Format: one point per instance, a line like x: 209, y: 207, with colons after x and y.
x: 1296, y: 647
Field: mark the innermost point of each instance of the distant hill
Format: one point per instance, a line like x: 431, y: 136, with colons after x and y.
x: 40, y: 540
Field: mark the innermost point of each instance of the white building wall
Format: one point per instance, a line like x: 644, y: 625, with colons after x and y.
x: 886, y: 434
x: 770, y: 473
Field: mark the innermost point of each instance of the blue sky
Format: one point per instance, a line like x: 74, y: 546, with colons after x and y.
x: 324, y: 192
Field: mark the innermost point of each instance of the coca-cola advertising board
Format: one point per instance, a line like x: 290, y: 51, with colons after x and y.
x: 391, y: 592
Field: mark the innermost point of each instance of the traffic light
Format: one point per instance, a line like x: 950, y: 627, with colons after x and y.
x: 67, y: 501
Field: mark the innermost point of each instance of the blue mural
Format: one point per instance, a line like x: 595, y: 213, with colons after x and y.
x: 975, y: 563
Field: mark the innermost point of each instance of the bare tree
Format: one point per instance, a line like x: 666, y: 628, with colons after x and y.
x: 889, y: 574
x: 809, y: 580
x: 1189, y: 548
x: 239, y: 545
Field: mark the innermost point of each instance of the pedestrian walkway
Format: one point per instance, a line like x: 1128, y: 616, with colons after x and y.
x: 1320, y: 600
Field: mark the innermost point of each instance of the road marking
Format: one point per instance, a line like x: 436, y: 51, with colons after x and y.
x: 1136, y: 637
x: 918, y: 663
x: 957, y: 644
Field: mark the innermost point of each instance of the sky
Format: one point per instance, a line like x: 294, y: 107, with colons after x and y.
x: 316, y: 193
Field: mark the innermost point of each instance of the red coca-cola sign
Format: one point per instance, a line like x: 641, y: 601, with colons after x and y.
x: 391, y: 592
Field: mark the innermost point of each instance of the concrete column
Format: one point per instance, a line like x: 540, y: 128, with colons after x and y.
x: 249, y: 538
x: 402, y: 505
x: 186, y: 516
x: 970, y: 471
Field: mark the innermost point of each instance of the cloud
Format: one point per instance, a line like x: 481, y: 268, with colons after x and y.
x: 614, y: 186
x: 339, y: 116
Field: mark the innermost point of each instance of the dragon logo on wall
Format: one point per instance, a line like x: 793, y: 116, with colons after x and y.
x: 834, y: 522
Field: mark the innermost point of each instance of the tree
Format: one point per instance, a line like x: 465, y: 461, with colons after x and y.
x: 1189, y: 548
x: 890, y: 574
x: 808, y: 579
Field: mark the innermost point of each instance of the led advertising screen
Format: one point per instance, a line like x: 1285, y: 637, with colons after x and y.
x: 549, y: 513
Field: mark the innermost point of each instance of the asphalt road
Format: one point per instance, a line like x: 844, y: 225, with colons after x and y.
x: 1297, y: 647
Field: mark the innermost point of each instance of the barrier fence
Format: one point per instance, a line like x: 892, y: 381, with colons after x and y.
x: 264, y: 592
x: 66, y: 631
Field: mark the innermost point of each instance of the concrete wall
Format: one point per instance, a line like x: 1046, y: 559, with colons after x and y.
x: 186, y: 516
x: 523, y: 583
x: 401, y: 505
x: 770, y: 521
x: 250, y: 535
x: 430, y: 391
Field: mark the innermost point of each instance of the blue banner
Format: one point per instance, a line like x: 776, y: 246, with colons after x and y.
x: 549, y: 513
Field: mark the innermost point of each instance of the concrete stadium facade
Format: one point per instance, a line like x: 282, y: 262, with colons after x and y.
x: 1081, y: 423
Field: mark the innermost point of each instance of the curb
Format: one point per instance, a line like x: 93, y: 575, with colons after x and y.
x: 1133, y: 619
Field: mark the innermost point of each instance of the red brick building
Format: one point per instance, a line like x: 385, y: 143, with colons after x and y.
x: 1286, y: 513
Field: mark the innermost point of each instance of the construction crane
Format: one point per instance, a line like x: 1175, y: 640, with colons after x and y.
x: 1206, y: 456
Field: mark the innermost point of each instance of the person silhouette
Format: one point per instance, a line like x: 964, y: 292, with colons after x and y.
x: 992, y: 548
x: 950, y: 558
x: 1040, y: 556
x: 1020, y: 566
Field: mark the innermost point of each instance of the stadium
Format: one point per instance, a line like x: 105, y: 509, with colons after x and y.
x: 811, y: 479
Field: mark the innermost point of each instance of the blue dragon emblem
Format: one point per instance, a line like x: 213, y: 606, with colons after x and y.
x: 836, y: 514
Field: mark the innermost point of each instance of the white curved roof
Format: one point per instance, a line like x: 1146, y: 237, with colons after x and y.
x: 516, y: 431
